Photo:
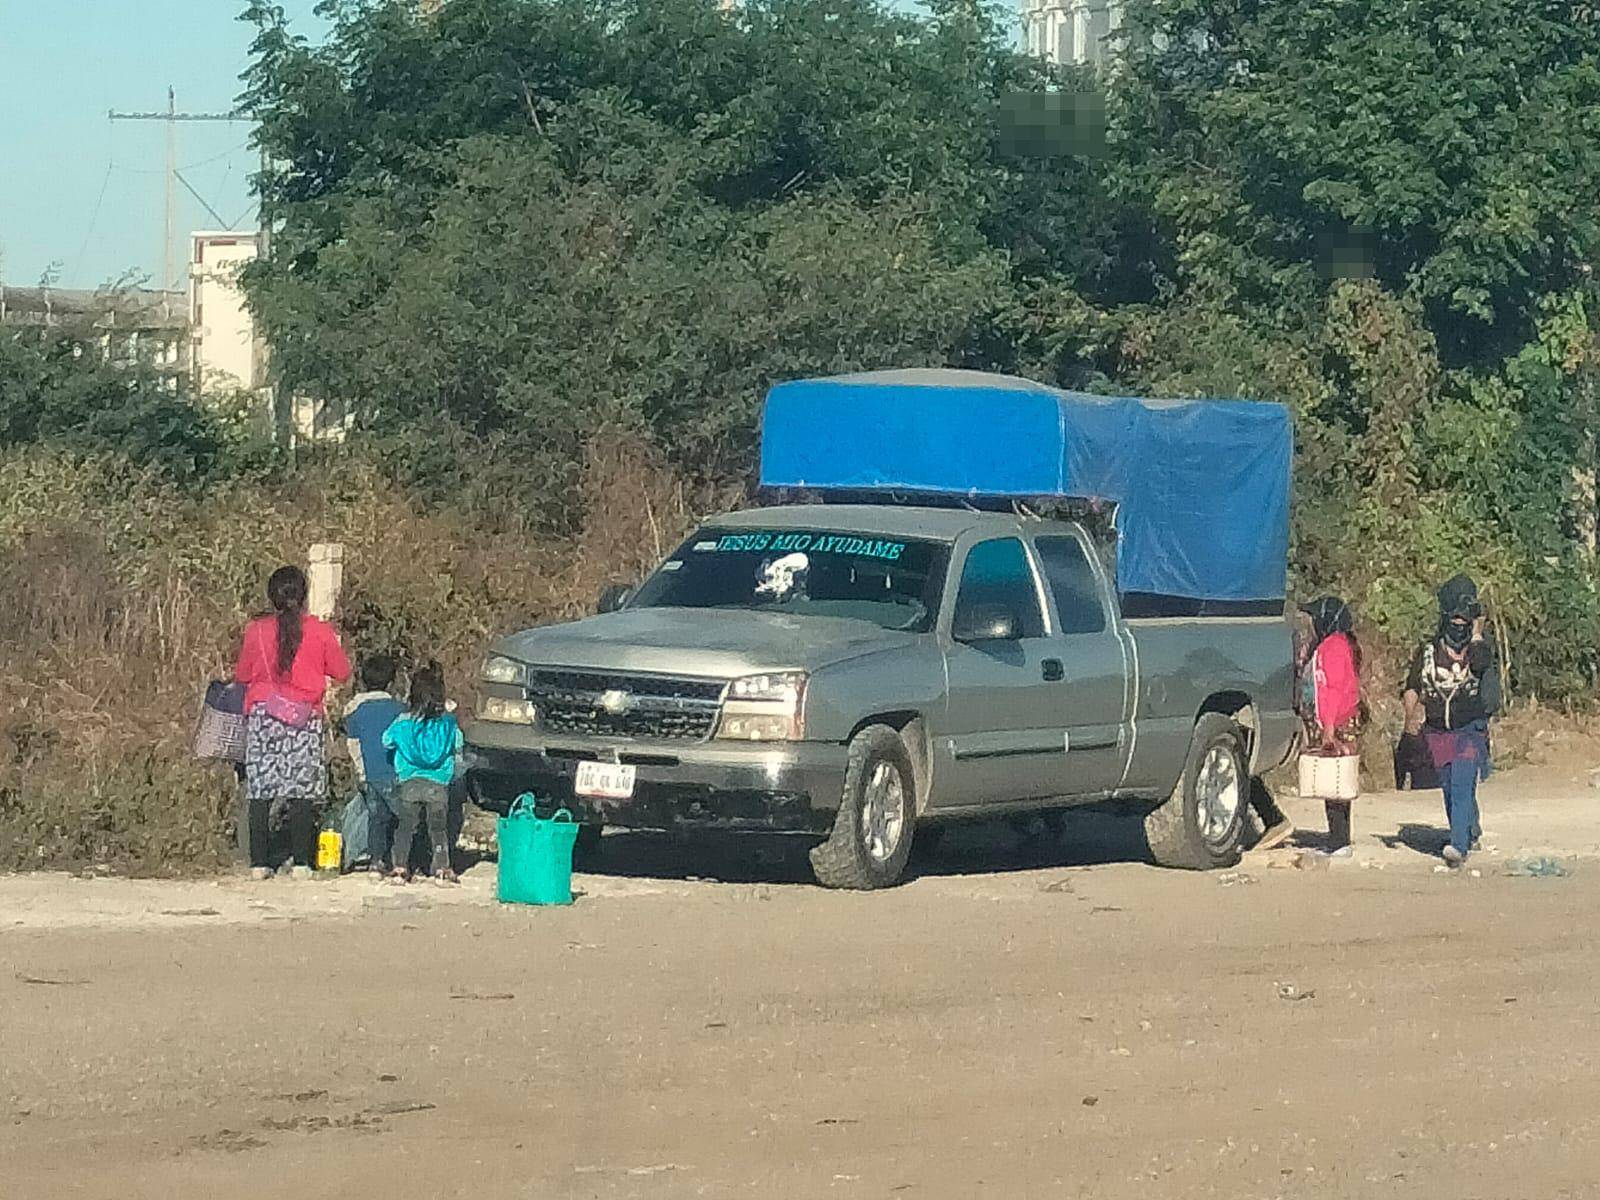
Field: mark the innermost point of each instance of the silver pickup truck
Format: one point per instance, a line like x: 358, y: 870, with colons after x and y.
x: 867, y: 673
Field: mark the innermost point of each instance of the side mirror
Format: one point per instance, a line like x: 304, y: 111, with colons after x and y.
x: 614, y: 597
x: 986, y: 623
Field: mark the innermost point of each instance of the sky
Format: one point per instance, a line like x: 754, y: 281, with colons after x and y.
x: 82, y: 198
x: 82, y: 195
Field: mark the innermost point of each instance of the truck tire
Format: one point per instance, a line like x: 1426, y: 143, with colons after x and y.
x: 1200, y: 825
x: 871, y: 838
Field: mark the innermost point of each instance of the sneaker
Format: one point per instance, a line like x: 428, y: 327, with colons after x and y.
x: 1277, y: 835
x: 300, y: 872
x: 260, y: 873
x: 1342, y: 852
x: 1453, y: 857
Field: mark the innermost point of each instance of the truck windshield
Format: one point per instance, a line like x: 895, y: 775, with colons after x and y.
x: 893, y: 583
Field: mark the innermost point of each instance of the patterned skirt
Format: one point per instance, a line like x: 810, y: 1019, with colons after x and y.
x: 282, y: 762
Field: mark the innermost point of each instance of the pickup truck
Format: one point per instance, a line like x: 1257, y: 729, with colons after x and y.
x: 866, y: 673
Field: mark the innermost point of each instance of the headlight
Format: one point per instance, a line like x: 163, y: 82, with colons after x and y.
x: 780, y: 687
x: 764, y: 708
x: 513, y: 712
x: 739, y: 727
x: 499, y: 669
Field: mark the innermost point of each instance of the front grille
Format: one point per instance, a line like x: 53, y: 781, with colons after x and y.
x: 660, y: 707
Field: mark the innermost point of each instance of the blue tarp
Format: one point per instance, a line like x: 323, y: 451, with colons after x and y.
x: 1201, y: 486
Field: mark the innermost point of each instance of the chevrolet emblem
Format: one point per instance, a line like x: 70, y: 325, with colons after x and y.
x: 616, y: 702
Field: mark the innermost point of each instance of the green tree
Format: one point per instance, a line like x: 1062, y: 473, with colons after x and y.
x: 57, y: 390
x: 1450, y: 148
x: 507, y: 226
x: 534, y: 217
x: 1391, y: 209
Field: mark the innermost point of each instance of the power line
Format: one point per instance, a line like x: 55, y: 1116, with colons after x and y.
x: 94, y: 217
x: 204, y: 162
x: 172, y: 118
x: 204, y: 203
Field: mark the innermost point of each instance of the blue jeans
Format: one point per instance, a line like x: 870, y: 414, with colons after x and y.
x: 1460, y: 782
x: 383, y: 802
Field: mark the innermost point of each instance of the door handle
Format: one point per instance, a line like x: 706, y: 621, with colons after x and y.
x: 1052, y: 670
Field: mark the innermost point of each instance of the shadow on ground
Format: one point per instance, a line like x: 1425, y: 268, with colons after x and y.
x: 969, y: 848
x: 1429, y: 840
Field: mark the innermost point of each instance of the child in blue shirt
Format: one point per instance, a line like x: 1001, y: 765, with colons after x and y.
x: 366, y: 719
x: 426, y: 742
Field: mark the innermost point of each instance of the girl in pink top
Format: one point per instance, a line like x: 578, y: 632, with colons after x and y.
x: 285, y: 661
x: 1330, y: 698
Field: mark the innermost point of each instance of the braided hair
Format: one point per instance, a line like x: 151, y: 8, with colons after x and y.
x: 286, y: 591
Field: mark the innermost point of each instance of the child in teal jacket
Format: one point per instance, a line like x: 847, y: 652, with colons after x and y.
x: 427, y: 745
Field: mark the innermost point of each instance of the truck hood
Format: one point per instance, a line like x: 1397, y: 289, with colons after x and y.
x: 721, y: 643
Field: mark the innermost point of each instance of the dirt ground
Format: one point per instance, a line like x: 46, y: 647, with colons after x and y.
x: 1021, y: 1020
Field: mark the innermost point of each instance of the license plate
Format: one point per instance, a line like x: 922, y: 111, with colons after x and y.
x: 605, y: 781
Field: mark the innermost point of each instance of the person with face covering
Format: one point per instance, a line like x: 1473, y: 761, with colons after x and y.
x: 1452, y: 691
x: 1330, y: 698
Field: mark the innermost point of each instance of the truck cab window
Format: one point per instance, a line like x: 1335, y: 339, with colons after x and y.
x: 997, y: 575
x: 1072, y: 582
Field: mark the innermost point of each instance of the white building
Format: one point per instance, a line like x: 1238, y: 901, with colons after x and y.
x: 225, y: 351
x: 1070, y: 32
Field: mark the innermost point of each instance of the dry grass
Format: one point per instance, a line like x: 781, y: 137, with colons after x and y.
x: 120, y: 598
x: 636, y: 508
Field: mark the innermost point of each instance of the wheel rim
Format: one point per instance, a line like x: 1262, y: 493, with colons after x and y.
x: 1219, y: 794
x: 883, y: 812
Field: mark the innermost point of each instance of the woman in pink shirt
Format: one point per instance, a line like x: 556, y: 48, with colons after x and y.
x: 285, y: 661
x: 1330, y: 699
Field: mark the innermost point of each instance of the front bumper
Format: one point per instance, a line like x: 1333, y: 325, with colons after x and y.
x: 790, y: 787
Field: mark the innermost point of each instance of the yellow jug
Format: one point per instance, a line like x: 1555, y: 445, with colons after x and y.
x: 330, y: 850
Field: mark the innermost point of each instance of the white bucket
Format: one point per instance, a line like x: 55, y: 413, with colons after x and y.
x: 1330, y: 777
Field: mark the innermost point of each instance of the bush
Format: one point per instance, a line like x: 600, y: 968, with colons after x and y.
x: 56, y: 390
x: 121, y: 594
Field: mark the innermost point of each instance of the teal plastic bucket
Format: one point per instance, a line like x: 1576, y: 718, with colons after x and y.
x: 536, y: 855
